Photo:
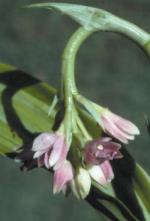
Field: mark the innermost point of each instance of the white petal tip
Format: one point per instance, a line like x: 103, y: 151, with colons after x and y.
x: 36, y: 155
x: 124, y: 141
x: 137, y: 132
x: 52, y: 163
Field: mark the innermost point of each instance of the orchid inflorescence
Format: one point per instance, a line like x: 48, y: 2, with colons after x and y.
x: 76, y: 165
x: 77, y: 157
x: 78, y: 154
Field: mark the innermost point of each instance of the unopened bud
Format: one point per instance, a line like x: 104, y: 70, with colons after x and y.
x: 81, y: 183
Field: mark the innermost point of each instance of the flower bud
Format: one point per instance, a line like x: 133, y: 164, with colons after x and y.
x: 63, y: 174
x: 118, y: 127
x: 81, y: 183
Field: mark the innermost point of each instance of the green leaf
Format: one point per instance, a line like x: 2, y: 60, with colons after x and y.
x: 107, y: 198
x: 24, y: 105
x: 127, y: 178
x: 89, y: 17
x: 142, y: 188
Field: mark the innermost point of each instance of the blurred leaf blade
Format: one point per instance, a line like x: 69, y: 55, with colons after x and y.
x: 142, y: 186
x: 22, y: 103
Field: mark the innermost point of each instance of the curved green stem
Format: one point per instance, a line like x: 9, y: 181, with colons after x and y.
x: 129, y: 29
x: 116, y: 24
x: 132, y: 31
x: 68, y: 62
x: 68, y: 86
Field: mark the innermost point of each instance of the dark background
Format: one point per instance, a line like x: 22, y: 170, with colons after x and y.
x: 111, y: 70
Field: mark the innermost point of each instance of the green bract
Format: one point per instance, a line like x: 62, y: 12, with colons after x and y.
x: 94, y: 19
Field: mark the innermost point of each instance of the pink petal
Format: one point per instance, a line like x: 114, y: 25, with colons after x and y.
x: 111, y: 128
x: 125, y: 125
x: 62, y: 176
x: 58, y: 151
x: 103, y: 174
x: 107, y: 170
x: 62, y: 154
x: 46, y: 160
x: 97, y: 174
x: 44, y: 141
x: 106, y: 139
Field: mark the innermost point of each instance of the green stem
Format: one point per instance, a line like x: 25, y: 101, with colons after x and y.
x: 116, y: 24
x: 138, y: 35
x: 68, y: 82
x: 82, y: 127
x: 68, y: 64
x: 129, y: 29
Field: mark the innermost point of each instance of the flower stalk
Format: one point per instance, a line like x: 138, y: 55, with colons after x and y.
x: 68, y: 78
x: 68, y: 63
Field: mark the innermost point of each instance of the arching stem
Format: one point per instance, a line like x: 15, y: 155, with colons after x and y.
x: 118, y: 25
x: 68, y: 86
x: 68, y: 62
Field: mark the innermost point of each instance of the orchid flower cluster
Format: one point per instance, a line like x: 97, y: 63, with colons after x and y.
x: 75, y: 166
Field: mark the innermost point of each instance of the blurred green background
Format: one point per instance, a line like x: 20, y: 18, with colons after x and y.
x: 111, y: 70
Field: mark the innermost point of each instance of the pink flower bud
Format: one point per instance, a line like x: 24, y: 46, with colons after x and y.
x: 62, y: 176
x: 50, y: 149
x: 118, y: 127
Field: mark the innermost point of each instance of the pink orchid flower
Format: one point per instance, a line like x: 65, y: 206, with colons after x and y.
x: 118, y: 127
x: 50, y: 149
x: 99, y: 150
x: 97, y: 154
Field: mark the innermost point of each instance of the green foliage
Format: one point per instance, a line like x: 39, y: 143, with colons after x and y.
x: 24, y: 107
